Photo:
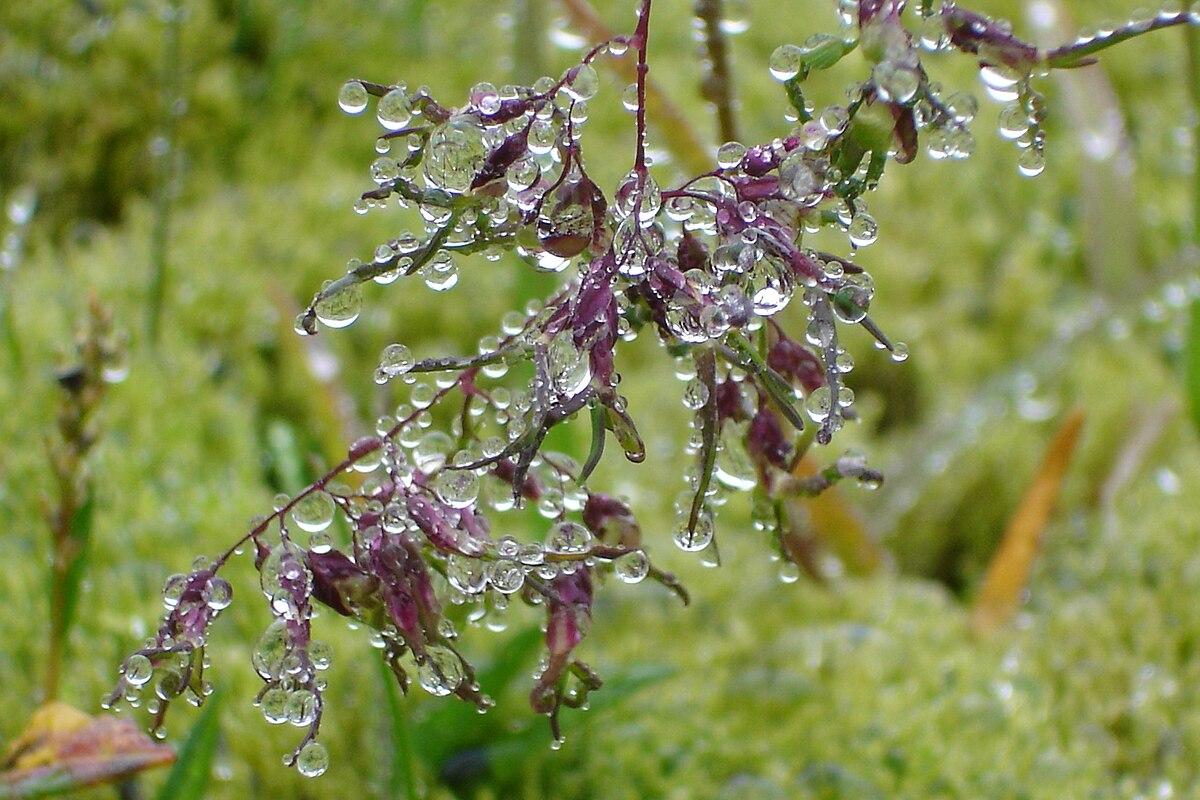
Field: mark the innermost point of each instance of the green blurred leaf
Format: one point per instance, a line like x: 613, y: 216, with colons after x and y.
x: 285, y: 457
x: 189, y: 777
x: 509, y: 756
x: 80, y: 536
x: 1191, y: 365
x: 402, y: 779
x: 450, y: 728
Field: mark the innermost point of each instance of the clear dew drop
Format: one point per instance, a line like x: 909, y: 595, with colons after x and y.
x: 785, y: 62
x: 695, y: 540
x: 353, y: 97
x: 585, y: 84
x: 217, y: 593
x: 1031, y: 162
x: 896, y: 82
x: 633, y: 567
x: 313, y: 512
x: 819, y: 403
x: 312, y: 760
x: 695, y: 394
x: 730, y: 154
x: 863, y: 230
x: 506, y: 576
x: 629, y: 97
x: 394, y: 110
x: 457, y: 488
x: 396, y: 359
x: 569, y: 537
x: 340, y: 309
x: 274, y: 706
x: 440, y: 673
x: 138, y: 670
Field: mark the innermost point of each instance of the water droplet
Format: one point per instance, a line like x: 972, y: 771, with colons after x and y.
x: 695, y: 394
x: 633, y: 567
x: 698, y: 538
x: 465, y: 574
x: 396, y: 359
x: 629, y: 97
x: 569, y: 537
x: 217, y: 593
x: 585, y: 84
x: 394, y: 110
x: 312, y: 760
x: 486, y: 98
x: 440, y: 673
x: 274, y: 706
x: 313, y: 512
x: 788, y: 571
x: 863, y: 230
x: 897, y: 83
x: 819, y: 403
x: 454, y: 154
x: 1031, y: 162
x: 137, y: 669
x: 506, y: 576
x: 730, y: 154
x: 785, y: 62
x: 353, y: 97
x: 457, y: 488
x: 340, y: 309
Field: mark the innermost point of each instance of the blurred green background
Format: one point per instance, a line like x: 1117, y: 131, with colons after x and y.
x: 202, y: 141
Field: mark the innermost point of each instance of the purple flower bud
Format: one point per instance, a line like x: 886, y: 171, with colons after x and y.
x: 433, y: 523
x: 692, y: 253
x: 611, y: 520
x: 794, y: 361
x: 995, y: 45
x: 758, y: 188
x: 758, y: 161
x: 568, y: 616
x: 766, y: 439
x: 731, y: 404
x: 503, y: 157
x: 341, y: 584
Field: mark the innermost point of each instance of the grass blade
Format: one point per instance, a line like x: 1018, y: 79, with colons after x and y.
x: 402, y: 780
x: 1008, y: 573
x: 189, y: 777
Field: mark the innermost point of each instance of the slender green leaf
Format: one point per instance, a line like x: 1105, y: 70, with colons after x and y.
x: 189, y: 777
x: 80, y: 535
x: 1191, y: 365
x: 451, y: 728
x: 402, y: 778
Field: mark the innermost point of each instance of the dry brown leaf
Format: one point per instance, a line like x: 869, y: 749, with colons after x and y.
x: 63, y: 748
x: 1008, y: 573
x: 840, y: 528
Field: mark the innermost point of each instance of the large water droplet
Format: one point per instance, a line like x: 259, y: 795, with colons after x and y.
x: 340, y: 309
x: 440, y: 672
x: 633, y: 567
x: 312, y: 760
x: 353, y: 97
x: 313, y: 512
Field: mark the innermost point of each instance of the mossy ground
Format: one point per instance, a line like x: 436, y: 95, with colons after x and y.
x: 865, y: 688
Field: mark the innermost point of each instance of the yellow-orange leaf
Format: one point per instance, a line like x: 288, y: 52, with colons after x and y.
x: 1008, y: 573
x: 840, y: 528
x: 63, y: 748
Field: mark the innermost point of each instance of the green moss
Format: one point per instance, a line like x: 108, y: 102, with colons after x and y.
x: 862, y: 689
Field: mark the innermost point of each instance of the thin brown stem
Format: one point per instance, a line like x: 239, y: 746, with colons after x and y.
x: 678, y: 134
x: 718, y: 84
